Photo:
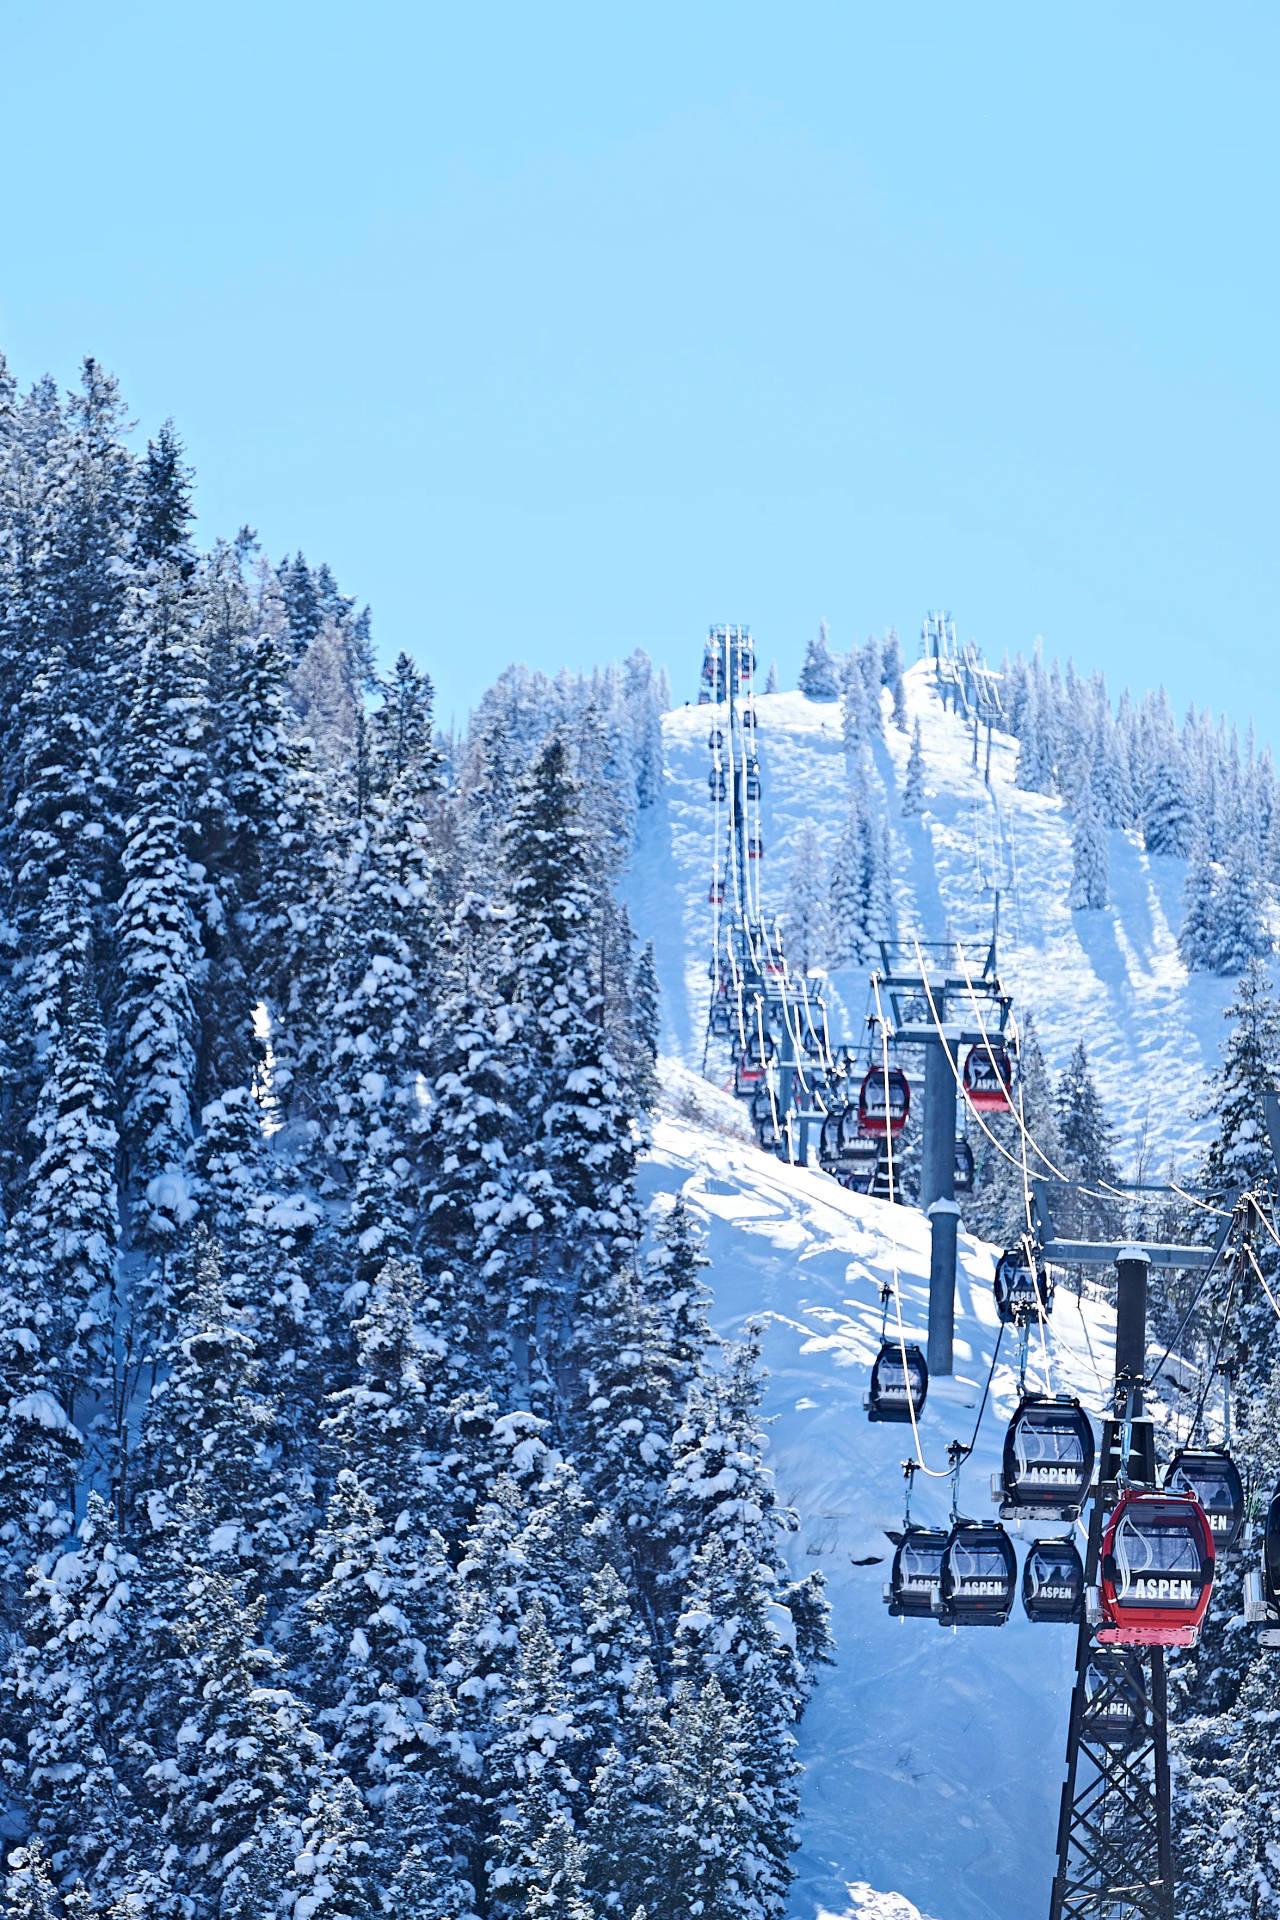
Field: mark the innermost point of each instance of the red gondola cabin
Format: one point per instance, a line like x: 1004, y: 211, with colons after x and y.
x: 1157, y: 1571
x: 884, y: 1101
x: 988, y: 1076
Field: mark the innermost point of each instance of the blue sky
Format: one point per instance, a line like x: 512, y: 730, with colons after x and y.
x: 567, y: 329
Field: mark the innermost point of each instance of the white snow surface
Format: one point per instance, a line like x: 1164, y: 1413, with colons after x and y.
x: 1113, y: 976
x: 933, y: 1758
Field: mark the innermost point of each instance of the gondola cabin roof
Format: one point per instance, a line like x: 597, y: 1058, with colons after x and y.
x: 979, y: 1575
x: 1213, y: 1476
x: 1156, y: 1571
x: 899, y: 1383
x: 1053, y: 1582
x: 916, y: 1574
x: 988, y: 1077
x: 884, y: 1101
x: 1048, y: 1458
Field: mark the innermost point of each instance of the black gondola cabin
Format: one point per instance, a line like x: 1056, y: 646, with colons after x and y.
x: 1115, y: 1709
x: 911, y: 1592
x: 1023, y: 1288
x: 1213, y: 1476
x: 899, y: 1383
x: 1053, y: 1582
x: 1262, y: 1583
x: 979, y: 1575
x: 1048, y: 1458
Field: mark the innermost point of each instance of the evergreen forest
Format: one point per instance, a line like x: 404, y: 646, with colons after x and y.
x: 380, y: 1529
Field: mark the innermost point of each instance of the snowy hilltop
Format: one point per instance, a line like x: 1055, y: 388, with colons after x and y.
x: 1112, y: 976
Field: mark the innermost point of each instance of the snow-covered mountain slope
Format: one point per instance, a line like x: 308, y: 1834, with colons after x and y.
x: 1113, y: 976
x: 933, y: 1758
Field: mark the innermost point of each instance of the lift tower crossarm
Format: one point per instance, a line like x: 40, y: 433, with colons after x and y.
x: 1100, y: 1253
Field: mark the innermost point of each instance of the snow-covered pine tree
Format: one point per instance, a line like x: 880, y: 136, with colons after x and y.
x: 382, y: 1003
x: 644, y: 711
x: 236, y: 1767
x: 1242, y: 932
x: 377, y: 1613
x: 468, y: 1147
x: 536, y: 1750
x: 30, y: 1890
x: 1168, y: 819
x: 205, y: 1484
x: 869, y: 659
x: 729, y: 1630
x: 805, y: 912
x: 1239, y: 1156
x: 913, y: 793
x: 771, y: 678
x: 61, y: 814
x: 301, y: 603
x: 706, y: 1860
x: 1222, y: 1727
x: 1086, y: 1137
x: 678, y: 1295
x: 646, y: 1015
x: 571, y: 1188
x: 64, y: 1237
x: 165, y: 512
x: 388, y: 1425
x: 891, y: 675
x: 403, y: 729
x: 1090, y: 860
x: 818, y: 677
x: 849, y: 907
x: 855, y: 722
x: 882, y: 915
x: 66, y: 1687
x: 160, y: 953
x: 1109, y: 773
x: 631, y: 1406
x: 1198, y: 942
x: 719, y: 1488
x: 1037, y: 736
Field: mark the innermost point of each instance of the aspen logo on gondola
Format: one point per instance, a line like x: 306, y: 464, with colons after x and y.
x: 968, y: 1587
x: 1055, y: 1593
x: 1060, y: 1476
x: 1175, y: 1593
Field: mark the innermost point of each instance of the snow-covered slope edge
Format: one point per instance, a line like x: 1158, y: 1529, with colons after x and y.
x: 933, y: 1759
